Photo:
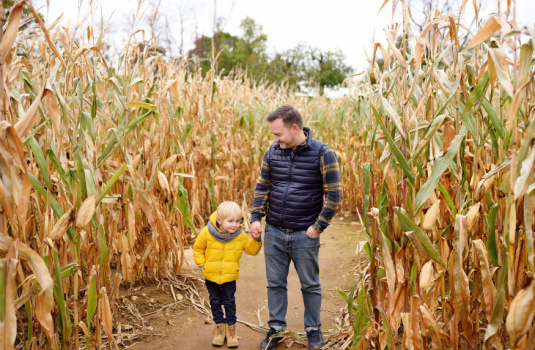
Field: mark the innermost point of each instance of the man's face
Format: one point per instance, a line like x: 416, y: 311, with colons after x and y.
x: 285, y: 136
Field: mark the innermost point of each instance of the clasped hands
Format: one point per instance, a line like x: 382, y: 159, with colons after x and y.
x: 256, y: 231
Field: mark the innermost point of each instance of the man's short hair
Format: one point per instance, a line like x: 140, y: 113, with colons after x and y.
x: 288, y: 114
x: 228, y: 208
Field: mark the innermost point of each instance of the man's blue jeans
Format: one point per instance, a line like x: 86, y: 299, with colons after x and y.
x: 281, y: 247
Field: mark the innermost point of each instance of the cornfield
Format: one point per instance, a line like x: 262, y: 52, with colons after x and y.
x: 107, y: 172
x: 448, y: 191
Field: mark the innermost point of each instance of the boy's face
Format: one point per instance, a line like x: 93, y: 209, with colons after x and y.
x: 230, y: 224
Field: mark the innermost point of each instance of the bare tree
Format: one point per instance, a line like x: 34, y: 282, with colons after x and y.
x: 185, y: 10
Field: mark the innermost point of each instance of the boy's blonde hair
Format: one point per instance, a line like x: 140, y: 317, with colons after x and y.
x: 225, y: 209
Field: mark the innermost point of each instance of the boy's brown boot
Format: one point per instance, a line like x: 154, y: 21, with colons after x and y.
x: 219, y: 334
x: 232, y: 337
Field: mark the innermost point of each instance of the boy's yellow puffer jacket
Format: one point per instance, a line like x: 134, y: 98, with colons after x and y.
x: 221, y: 260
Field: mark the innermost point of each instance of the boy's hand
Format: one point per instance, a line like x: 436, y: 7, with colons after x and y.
x: 256, y: 229
x: 256, y: 235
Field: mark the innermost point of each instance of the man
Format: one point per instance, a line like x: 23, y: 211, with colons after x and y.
x: 299, y: 192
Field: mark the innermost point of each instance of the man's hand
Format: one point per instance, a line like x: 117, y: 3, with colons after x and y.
x: 312, y: 232
x: 256, y: 229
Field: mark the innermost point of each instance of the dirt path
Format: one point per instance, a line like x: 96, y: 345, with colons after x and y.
x: 186, y: 328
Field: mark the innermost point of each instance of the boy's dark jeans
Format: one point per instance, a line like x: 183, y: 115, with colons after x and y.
x: 222, y: 295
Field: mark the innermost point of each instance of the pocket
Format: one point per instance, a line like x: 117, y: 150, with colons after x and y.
x: 313, y: 239
x: 313, y: 243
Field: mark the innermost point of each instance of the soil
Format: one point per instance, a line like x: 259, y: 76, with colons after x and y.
x: 164, y: 324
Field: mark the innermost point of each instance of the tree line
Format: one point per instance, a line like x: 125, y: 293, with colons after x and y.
x: 303, y: 67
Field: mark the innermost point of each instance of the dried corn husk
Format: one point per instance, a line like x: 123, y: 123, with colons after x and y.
x: 521, y: 313
x: 169, y: 162
x: 162, y: 181
x: 86, y: 211
x: 62, y: 225
x: 136, y: 161
x: 426, y: 276
x: 483, y: 187
x: 472, y: 217
x: 431, y: 216
x: 430, y: 201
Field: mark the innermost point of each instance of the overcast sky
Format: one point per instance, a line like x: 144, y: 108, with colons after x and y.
x: 348, y: 25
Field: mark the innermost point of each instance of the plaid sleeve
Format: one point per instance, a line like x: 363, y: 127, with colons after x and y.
x: 261, y: 193
x: 332, y: 187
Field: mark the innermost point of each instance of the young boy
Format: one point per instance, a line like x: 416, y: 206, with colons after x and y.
x: 217, y: 252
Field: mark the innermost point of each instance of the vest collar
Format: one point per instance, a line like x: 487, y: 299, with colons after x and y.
x: 301, y: 146
x: 307, y: 141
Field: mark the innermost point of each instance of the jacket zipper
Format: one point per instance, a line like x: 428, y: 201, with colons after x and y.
x: 287, y: 186
x: 221, y: 264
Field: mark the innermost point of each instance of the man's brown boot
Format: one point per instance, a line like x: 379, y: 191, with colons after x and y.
x: 232, y: 337
x: 219, y: 334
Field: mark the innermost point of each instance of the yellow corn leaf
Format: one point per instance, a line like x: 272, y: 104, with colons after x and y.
x: 383, y: 5
x: 394, y: 116
x: 502, y: 70
x: 107, y: 319
x: 32, y: 117
x: 86, y: 48
x: 45, y: 299
x: 524, y: 66
x: 476, y: 9
x: 5, y: 200
x: 45, y: 31
x: 87, y: 332
x: 460, y: 279
x: 392, y: 45
x: 9, y: 332
x: 432, y: 328
x: 454, y: 37
x: 484, y: 33
x: 11, y: 31
x: 521, y: 313
x: 489, y: 290
x: 389, y: 266
x: 414, y: 332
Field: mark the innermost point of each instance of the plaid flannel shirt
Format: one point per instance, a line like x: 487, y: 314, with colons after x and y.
x: 332, y: 188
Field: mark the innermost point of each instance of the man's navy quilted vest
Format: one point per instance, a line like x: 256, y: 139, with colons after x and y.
x: 296, y: 196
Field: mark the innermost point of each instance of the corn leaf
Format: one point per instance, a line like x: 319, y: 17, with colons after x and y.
x: 110, y: 183
x: 409, y: 225
x: 92, y: 299
x: 397, y: 153
x: 441, y: 164
x: 496, y: 122
x: 496, y: 320
x: 40, y: 159
x: 491, y: 236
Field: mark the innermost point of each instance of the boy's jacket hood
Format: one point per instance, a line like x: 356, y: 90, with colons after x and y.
x: 215, y: 231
